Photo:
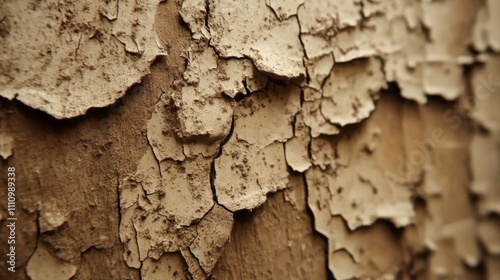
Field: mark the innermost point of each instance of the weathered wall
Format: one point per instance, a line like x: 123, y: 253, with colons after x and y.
x: 271, y: 139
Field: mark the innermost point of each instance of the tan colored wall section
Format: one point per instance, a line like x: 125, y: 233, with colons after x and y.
x: 303, y: 139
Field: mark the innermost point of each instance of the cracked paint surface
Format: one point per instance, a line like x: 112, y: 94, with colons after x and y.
x: 63, y: 57
x: 371, y: 114
x: 360, y: 189
x: 360, y: 185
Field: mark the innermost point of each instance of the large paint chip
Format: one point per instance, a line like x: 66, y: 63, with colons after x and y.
x: 194, y: 12
x: 252, y: 162
x: 160, y: 205
x: 246, y: 173
x: 163, y: 132
x: 86, y: 54
x: 236, y: 32
x: 267, y: 116
x: 350, y: 91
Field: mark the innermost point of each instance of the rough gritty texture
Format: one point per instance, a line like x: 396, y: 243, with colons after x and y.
x: 64, y: 57
x: 277, y: 51
x: 273, y: 139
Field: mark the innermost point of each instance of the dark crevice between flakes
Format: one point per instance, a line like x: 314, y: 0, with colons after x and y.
x: 207, y: 14
x: 242, y: 95
x: 213, y: 173
x: 304, y: 58
x: 274, y: 12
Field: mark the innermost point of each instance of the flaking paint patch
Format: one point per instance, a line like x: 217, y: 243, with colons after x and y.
x: 86, y: 55
x: 223, y: 136
x: 350, y: 176
x: 172, y: 179
x: 277, y: 52
x: 193, y: 13
x: 488, y: 230
x: 252, y: 162
x: 204, y: 118
x: 349, y: 92
x: 212, y: 234
x: 296, y: 149
x: 450, y: 232
x: 260, y: 121
x: 315, y: 119
x: 486, y: 86
x: 211, y: 75
x: 319, y: 69
x: 246, y: 173
x: 485, y: 157
x: 157, y: 209
x: 351, y: 253
x: 163, y: 133
x: 392, y: 30
x: 194, y: 267
x: 485, y: 32
x: 485, y: 148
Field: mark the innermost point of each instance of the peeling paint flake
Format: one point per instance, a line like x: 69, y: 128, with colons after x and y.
x: 211, y: 75
x: 267, y: 116
x: 163, y: 134
x: 193, y: 13
x: 335, y: 95
x: 485, y: 159
x: 80, y: 60
x: 212, y: 235
x: 350, y: 91
x: 351, y: 186
x: 245, y: 173
x: 159, y: 210
x: 236, y: 32
x: 296, y: 149
x: 204, y: 118
x: 194, y: 267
